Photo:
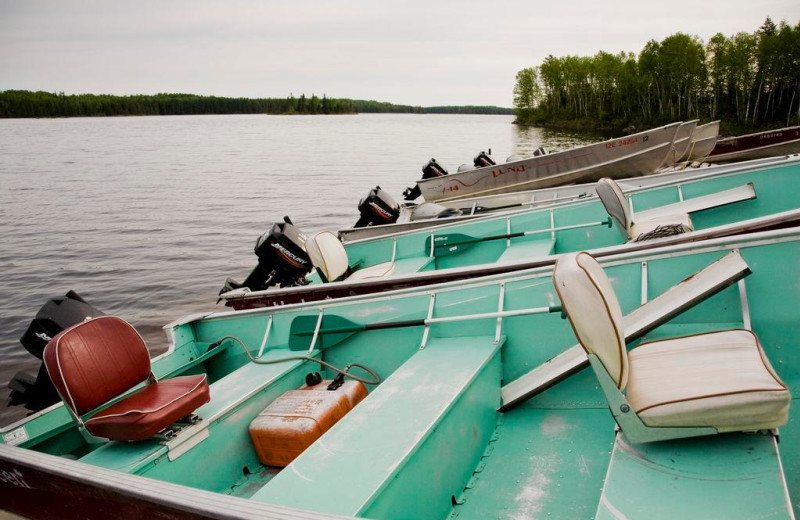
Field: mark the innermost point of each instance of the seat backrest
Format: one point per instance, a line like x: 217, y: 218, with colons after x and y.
x: 615, y: 203
x: 328, y: 255
x: 593, y: 310
x: 95, y: 361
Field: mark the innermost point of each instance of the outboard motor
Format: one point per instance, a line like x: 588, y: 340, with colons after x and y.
x: 37, y: 393
x: 429, y: 171
x: 483, y: 159
x: 539, y: 151
x: 377, y: 208
x: 282, y: 260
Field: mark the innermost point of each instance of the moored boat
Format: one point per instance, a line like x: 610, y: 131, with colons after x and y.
x: 484, y: 408
x: 409, y: 217
x: 681, y: 144
x: 636, y: 154
x: 757, y: 145
x: 689, y: 211
x: 704, y: 138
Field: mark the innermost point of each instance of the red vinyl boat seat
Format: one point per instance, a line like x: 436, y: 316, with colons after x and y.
x: 96, y: 361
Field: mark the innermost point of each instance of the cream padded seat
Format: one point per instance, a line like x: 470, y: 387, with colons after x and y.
x: 617, y: 207
x: 716, y: 379
x: 373, y: 271
x: 721, y: 379
x: 329, y: 256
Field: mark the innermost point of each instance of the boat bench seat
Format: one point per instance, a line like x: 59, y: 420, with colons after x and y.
x: 415, y: 439
x: 395, y: 268
x: 526, y: 249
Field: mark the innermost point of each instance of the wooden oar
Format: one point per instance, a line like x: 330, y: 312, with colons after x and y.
x: 337, y: 328
x: 454, y: 243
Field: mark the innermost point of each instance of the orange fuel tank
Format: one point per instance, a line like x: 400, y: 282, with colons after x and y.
x: 293, y: 421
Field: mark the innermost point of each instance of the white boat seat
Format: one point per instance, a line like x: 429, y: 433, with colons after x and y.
x: 617, y: 207
x: 697, y: 288
x: 327, y: 255
x: 373, y: 271
x: 720, y: 379
x: 682, y: 387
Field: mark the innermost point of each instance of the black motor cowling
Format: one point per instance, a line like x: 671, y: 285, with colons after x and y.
x: 483, y: 159
x: 36, y: 393
x: 282, y: 259
x: 430, y: 170
x: 377, y: 208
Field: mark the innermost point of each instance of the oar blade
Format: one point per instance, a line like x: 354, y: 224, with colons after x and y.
x: 334, y: 329
x: 450, y: 244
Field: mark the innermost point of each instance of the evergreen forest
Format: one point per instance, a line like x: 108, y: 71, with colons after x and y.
x: 24, y: 103
x: 748, y: 80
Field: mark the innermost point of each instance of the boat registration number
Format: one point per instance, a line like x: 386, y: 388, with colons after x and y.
x: 622, y: 142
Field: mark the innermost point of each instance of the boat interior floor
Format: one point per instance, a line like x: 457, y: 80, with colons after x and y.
x: 559, y: 456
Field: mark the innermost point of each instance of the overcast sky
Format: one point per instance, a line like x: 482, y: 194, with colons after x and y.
x: 418, y: 52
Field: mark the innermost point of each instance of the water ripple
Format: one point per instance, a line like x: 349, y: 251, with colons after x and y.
x: 146, y: 216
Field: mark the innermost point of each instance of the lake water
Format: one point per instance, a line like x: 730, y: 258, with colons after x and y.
x: 145, y: 217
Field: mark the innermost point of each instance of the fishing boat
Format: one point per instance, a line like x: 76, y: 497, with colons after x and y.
x: 753, y: 146
x: 632, y: 155
x: 490, y: 403
x: 681, y: 144
x: 377, y: 204
x: 703, y: 140
x: 614, y: 223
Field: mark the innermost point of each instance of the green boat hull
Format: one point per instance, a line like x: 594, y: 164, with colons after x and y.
x: 430, y: 441
x: 466, y: 249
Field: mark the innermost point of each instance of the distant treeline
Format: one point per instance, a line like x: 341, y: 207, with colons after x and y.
x: 746, y: 80
x: 24, y: 103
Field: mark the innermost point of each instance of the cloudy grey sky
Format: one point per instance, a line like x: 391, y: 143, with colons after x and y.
x: 419, y: 52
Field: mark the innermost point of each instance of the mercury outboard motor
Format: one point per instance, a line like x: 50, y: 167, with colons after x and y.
x: 429, y: 171
x: 483, y: 159
x: 377, y: 208
x: 37, y: 393
x: 282, y: 260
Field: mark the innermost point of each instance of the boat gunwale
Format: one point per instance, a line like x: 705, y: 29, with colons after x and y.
x: 184, y: 499
x: 772, y: 236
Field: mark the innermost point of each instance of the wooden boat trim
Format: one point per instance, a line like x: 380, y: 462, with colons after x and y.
x: 27, y: 490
